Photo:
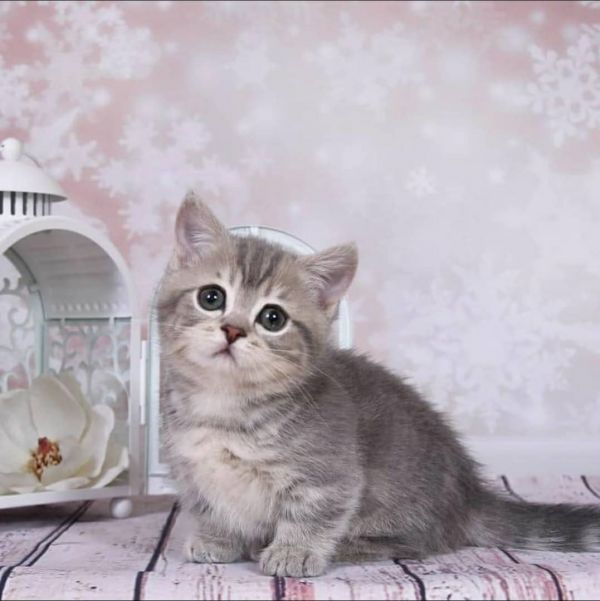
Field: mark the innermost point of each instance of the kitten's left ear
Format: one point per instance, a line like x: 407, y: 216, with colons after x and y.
x: 331, y: 272
x: 198, y: 232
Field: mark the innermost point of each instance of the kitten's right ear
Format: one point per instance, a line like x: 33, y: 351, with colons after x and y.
x: 197, y: 231
x: 330, y: 273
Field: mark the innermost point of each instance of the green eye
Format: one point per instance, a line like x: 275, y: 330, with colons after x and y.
x: 211, y: 298
x: 272, y: 318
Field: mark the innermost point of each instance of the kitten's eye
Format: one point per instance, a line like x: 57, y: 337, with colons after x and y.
x: 272, y: 318
x: 211, y: 298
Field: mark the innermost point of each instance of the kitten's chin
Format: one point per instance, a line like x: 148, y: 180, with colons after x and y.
x: 225, y: 355
x: 213, y: 356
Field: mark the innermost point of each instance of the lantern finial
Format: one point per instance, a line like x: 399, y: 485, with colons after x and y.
x: 11, y: 149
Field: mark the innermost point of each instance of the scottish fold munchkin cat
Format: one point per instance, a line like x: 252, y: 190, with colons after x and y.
x: 296, y: 454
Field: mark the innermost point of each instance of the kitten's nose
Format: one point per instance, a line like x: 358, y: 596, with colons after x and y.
x: 232, y: 333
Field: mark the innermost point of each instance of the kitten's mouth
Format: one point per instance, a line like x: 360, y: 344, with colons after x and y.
x: 226, y: 353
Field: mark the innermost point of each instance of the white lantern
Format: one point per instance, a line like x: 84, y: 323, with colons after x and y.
x: 68, y: 305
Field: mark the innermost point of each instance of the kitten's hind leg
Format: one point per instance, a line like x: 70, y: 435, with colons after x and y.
x: 373, y: 549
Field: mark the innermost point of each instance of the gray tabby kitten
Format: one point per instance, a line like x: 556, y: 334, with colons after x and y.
x: 294, y: 453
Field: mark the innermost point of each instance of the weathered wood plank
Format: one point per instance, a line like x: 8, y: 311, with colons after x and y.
x: 97, y: 557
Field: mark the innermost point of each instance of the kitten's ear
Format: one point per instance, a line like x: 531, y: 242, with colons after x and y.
x: 331, y: 272
x: 198, y: 232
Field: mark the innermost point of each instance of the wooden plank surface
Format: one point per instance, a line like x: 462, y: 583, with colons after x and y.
x: 78, y: 551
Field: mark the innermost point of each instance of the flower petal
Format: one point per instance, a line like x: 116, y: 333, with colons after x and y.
x: 15, y: 421
x: 12, y: 457
x: 56, y: 413
x: 19, y: 482
x: 69, y: 483
x: 95, y: 440
x: 117, y: 460
x: 70, y: 381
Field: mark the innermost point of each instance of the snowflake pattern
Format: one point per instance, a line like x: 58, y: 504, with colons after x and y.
x: 412, y: 128
x: 15, y: 94
x: 251, y: 64
x: 366, y: 69
x: 567, y: 90
x: 488, y: 346
x: 172, y: 148
x: 420, y: 182
x: 73, y: 36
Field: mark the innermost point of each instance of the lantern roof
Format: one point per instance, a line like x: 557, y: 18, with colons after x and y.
x: 20, y: 173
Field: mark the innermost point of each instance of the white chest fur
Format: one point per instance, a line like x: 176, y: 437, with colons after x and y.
x: 238, y: 477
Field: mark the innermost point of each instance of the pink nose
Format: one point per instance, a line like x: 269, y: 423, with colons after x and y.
x: 232, y: 333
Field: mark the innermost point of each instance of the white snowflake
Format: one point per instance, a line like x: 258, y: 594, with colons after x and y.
x: 487, y: 344
x: 75, y: 156
x: 592, y: 31
x: 514, y: 38
x: 165, y: 157
x: 261, y: 11
x: 251, y: 64
x: 4, y: 30
x: 220, y: 10
x: 16, y: 98
x: 420, y: 182
x: 162, y: 5
x: 215, y: 176
x: 559, y: 215
x: 76, y: 48
x: 7, y: 5
x: 99, y: 32
x: 418, y: 6
x: 441, y: 24
x: 55, y: 144
x: 138, y: 133
x: 262, y: 119
x: 257, y: 162
x: 567, y: 89
x: 538, y: 17
x: 191, y: 134
x: 128, y: 54
x: 365, y: 69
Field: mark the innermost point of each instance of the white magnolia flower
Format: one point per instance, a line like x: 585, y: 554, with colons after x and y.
x: 51, y: 438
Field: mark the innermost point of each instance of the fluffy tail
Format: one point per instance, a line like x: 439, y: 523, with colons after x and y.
x: 538, y: 526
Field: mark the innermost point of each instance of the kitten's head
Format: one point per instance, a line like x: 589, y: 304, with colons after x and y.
x: 243, y: 311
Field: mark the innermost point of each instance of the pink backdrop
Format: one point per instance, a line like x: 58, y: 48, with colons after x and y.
x: 456, y: 142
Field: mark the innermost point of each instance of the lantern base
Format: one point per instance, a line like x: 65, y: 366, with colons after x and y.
x: 121, y: 508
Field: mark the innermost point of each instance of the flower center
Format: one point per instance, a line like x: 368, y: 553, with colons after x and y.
x: 47, y: 453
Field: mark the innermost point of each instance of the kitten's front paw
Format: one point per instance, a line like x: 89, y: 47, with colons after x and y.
x: 283, y: 560
x: 200, y: 551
